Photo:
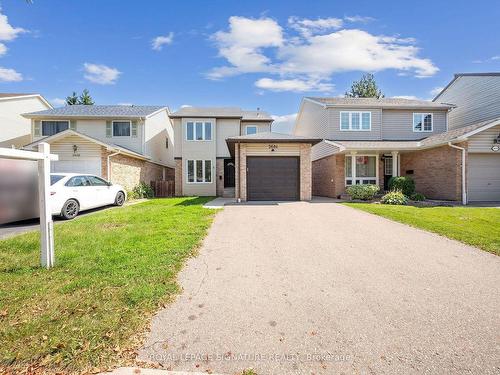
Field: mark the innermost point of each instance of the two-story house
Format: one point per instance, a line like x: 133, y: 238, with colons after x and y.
x: 124, y: 144
x: 232, y: 152
x: 15, y: 130
x: 367, y: 141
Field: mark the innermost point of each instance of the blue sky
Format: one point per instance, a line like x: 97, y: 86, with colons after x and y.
x: 248, y: 54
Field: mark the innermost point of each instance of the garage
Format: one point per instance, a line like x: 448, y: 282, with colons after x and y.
x: 88, y: 166
x: 484, y: 177
x: 273, y: 178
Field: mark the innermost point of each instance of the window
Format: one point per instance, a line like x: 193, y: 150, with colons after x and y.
x: 422, y: 122
x: 53, y: 127
x: 251, y: 129
x: 55, y: 177
x: 78, y: 181
x: 199, y: 171
x: 166, y: 142
x: 199, y: 131
x: 121, y: 128
x: 356, y: 121
x: 366, y: 170
x: 96, y: 181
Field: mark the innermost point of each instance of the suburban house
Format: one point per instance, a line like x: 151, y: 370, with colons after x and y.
x: 125, y: 144
x: 367, y: 141
x: 16, y: 129
x: 232, y: 152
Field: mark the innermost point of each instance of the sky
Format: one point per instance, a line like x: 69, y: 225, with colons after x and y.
x: 258, y: 54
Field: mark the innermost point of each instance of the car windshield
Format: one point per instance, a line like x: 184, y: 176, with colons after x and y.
x: 54, y: 178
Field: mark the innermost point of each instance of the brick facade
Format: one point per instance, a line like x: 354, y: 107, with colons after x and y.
x: 305, y: 172
x: 328, y: 178
x: 178, y: 177
x: 437, y: 172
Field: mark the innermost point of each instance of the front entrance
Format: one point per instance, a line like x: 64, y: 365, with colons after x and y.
x: 387, y: 172
x: 273, y: 178
x: 229, y: 177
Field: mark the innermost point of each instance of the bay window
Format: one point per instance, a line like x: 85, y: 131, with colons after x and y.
x: 199, y: 131
x: 365, y: 169
x: 199, y: 171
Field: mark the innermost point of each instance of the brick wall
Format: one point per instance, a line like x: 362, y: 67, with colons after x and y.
x: 243, y: 171
x: 437, y: 172
x: 178, y: 177
x: 328, y: 178
x: 305, y: 172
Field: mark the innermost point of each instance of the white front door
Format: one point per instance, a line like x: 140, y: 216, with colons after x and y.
x: 86, y: 166
x: 483, y: 177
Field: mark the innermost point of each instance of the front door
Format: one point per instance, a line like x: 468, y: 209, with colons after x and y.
x: 229, y: 173
x: 387, y: 172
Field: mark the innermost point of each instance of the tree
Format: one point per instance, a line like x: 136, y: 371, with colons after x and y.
x: 366, y: 87
x: 85, y: 98
x: 72, y: 99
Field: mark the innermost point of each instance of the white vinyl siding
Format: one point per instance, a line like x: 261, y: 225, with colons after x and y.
x: 198, y: 171
x: 422, y: 122
x: 355, y: 121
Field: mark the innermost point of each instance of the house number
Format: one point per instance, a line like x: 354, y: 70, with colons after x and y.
x: 273, y: 147
x: 495, y: 148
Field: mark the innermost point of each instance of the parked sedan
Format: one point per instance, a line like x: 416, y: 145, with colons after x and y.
x: 71, y: 193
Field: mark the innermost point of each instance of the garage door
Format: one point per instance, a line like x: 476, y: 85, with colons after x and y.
x: 88, y: 166
x: 272, y: 178
x: 484, y: 177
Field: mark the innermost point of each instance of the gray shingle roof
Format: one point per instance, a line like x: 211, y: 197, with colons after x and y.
x: 395, y: 103
x: 97, y: 111
x: 221, y: 112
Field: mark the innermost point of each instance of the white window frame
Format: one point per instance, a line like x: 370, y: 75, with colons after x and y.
x: 361, y: 179
x: 423, y: 125
x: 350, y: 129
x: 121, y: 136
x: 195, y: 161
x: 52, y: 120
x: 203, y: 130
x: 251, y: 126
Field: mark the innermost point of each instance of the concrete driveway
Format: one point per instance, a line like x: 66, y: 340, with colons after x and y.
x: 320, y: 288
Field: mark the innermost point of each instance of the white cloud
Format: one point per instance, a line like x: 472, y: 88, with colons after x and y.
x: 186, y: 106
x: 296, y: 85
x: 101, y: 74
x: 306, y: 62
x: 57, y: 102
x: 160, y: 41
x: 7, y: 31
x: 409, y: 97
x: 436, y: 90
x: 126, y: 103
x: 10, y: 75
x: 360, y: 19
x: 284, y: 123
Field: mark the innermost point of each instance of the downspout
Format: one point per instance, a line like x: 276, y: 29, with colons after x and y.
x: 464, y: 192
x: 239, y: 174
x: 109, y: 164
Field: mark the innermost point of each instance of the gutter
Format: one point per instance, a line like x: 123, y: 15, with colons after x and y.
x: 464, y: 192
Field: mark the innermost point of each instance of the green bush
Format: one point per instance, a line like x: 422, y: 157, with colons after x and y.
x: 418, y: 197
x: 404, y: 184
x: 141, y: 191
x: 363, y: 192
x: 395, y: 197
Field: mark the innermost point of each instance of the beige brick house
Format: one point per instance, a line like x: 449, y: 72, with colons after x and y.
x: 367, y: 141
x: 124, y: 144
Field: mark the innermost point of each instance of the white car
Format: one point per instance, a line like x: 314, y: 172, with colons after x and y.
x: 71, y: 193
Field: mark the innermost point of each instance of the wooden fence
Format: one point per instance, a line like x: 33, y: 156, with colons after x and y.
x: 163, y: 189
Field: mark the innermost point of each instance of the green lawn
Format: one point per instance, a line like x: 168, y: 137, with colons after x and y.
x: 113, y: 270
x: 474, y: 226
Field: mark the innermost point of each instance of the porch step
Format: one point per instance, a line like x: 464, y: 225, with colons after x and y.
x: 229, y: 192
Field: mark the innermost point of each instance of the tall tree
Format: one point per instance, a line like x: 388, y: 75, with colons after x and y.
x: 85, y: 98
x: 72, y: 99
x: 366, y: 87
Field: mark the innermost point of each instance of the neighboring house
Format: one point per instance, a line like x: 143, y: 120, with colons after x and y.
x: 15, y: 130
x: 124, y: 144
x: 367, y: 141
x: 231, y: 152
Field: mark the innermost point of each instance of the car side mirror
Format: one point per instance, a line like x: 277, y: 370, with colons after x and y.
x: 110, y: 183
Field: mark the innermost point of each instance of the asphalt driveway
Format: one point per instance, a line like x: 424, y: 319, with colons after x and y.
x: 320, y: 288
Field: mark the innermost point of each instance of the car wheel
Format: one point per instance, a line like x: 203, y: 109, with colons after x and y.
x: 70, y: 209
x: 120, y: 199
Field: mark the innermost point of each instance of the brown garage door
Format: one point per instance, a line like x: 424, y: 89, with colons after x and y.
x: 272, y: 178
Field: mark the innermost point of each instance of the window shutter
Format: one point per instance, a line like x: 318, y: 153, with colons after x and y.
x: 37, y: 129
x: 134, y: 129
x: 72, y: 125
x: 109, y: 129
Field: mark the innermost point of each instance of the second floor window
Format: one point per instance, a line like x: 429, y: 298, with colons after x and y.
x: 251, y: 129
x: 422, y: 122
x: 357, y: 121
x: 121, y: 128
x: 199, y: 131
x: 53, y: 127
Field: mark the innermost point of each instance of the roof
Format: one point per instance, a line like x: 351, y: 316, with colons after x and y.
x: 114, y: 111
x: 222, y: 112
x: 390, y: 103
x: 458, y: 75
x: 13, y: 95
x: 272, y: 137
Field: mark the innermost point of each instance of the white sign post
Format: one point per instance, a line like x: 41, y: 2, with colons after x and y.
x: 43, y: 157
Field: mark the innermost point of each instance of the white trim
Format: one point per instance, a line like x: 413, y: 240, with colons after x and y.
x: 203, y: 123
x: 354, y: 175
x: 156, y: 112
x: 41, y: 127
x: 464, y: 177
x: 424, y: 114
x: 324, y: 105
x: 44, y: 101
x: 121, y: 136
x: 351, y: 129
x: 203, y: 161
x: 251, y: 126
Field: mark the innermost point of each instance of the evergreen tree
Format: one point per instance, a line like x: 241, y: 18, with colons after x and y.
x: 85, y: 98
x: 366, y: 87
x: 72, y: 99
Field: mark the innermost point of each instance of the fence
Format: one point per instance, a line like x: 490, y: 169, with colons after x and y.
x: 163, y: 189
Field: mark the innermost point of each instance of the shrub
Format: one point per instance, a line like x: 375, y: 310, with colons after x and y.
x: 418, y: 197
x: 363, y: 192
x: 394, y: 197
x: 141, y: 191
x: 404, y: 184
